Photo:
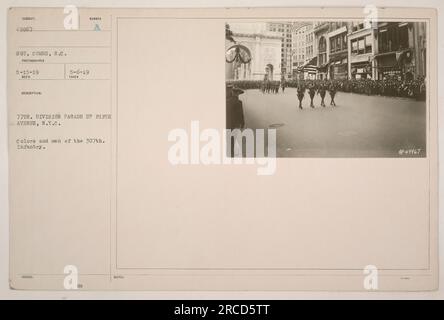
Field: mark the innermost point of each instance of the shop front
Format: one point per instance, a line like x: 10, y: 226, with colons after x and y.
x: 397, y: 64
x: 338, y: 69
x: 361, y: 70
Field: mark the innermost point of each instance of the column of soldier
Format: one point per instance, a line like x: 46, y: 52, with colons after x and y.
x: 388, y: 87
x: 272, y: 86
x: 313, y: 87
x: 320, y: 88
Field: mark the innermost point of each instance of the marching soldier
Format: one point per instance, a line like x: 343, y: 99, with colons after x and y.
x: 262, y: 88
x: 301, y: 92
x: 332, y: 91
x: 312, y: 92
x: 264, y: 84
x: 322, y: 91
x: 283, y: 84
x: 276, y: 87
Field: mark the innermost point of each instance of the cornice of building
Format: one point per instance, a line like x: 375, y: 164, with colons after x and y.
x: 320, y: 27
x: 360, y: 32
x: 337, y: 31
x: 300, y: 26
x: 255, y: 35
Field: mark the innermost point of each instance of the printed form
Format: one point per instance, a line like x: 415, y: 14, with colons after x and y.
x: 122, y: 124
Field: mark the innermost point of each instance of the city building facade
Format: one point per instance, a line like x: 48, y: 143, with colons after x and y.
x: 330, y: 50
x: 285, y: 30
x: 361, y: 51
x: 320, y: 45
x: 400, y: 50
x: 338, y: 50
x: 299, y: 44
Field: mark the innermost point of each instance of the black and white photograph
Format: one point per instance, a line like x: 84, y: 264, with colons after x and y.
x: 333, y: 89
x: 216, y: 155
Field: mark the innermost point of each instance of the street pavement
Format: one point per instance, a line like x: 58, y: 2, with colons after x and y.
x: 359, y: 126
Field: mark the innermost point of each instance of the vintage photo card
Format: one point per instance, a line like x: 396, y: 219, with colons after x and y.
x: 331, y: 88
x: 240, y: 149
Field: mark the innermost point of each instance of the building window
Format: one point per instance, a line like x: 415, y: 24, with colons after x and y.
x: 403, y: 37
x: 362, y: 45
x: 322, y: 45
x: 322, y: 51
x: 332, y: 45
x: 338, y: 43
x: 354, y: 46
x: 368, y: 44
x: 393, y: 38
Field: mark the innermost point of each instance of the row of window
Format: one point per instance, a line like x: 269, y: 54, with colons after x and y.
x: 337, y: 25
x: 299, y: 57
x: 309, y: 51
x: 390, y: 38
x: 309, y: 37
x: 357, y: 26
x: 393, y: 38
x: 322, y: 45
x: 338, y: 43
x: 361, y: 45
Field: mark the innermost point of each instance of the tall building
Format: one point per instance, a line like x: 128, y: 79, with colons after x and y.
x: 331, y: 49
x: 400, y: 50
x: 328, y: 50
x: 309, y: 43
x: 310, y: 69
x: 299, y: 45
x: 338, y: 50
x: 361, y: 51
x: 285, y: 30
x: 320, y: 31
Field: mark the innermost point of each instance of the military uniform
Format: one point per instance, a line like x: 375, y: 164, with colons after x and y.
x: 322, y: 91
x: 312, y: 92
x: 283, y: 85
x: 301, y: 92
x: 332, y: 89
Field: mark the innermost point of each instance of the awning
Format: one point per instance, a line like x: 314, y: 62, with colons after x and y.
x: 387, y: 60
x: 337, y: 59
x: 384, y: 54
x: 313, y: 61
x: 323, y: 67
x: 398, y: 56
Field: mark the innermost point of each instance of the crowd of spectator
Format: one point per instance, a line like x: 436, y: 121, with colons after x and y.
x: 390, y: 86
